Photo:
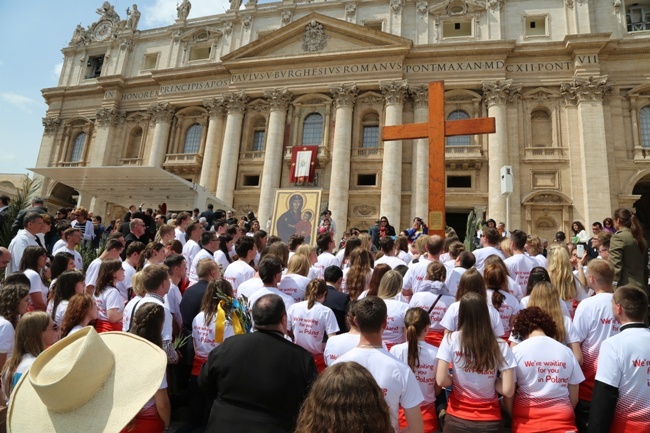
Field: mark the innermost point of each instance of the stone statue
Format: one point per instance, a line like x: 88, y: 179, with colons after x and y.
x: 107, y: 11
x: 184, y: 9
x: 134, y: 17
x: 80, y: 36
x: 235, y: 5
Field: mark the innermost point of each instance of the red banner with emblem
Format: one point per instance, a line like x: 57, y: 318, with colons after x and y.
x: 303, y: 163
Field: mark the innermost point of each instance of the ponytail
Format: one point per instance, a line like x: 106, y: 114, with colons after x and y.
x: 416, y: 321
x: 497, y: 298
x: 315, y: 289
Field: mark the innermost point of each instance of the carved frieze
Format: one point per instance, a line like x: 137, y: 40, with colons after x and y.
x: 344, y: 94
x: 315, y: 38
x: 500, y: 92
x: 364, y: 210
x: 394, y: 91
x: 161, y: 112
x: 286, y: 17
x: 278, y: 99
x: 396, y: 6
x: 51, y: 124
x: 109, y: 116
x: 589, y: 89
x: 370, y: 100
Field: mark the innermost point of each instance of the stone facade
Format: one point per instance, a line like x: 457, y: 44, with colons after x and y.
x: 221, y: 101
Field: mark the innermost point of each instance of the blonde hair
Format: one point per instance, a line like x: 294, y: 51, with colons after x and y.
x: 299, y: 264
x: 505, y: 247
x: 305, y: 250
x: 546, y: 297
x: 534, y: 245
x: 136, y: 284
x: 390, y: 285
x: 561, y: 273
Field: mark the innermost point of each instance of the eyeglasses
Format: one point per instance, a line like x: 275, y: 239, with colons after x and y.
x: 603, y: 250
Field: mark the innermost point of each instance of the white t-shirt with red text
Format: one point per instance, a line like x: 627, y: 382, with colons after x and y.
x: 339, y: 345
x: 519, y: 267
x: 509, y: 308
x: 480, y: 254
x: 425, y: 372
x: 310, y: 325
x: 294, y: 285
x: 544, y: 370
x: 394, y: 331
x: 248, y: 287
x: 474, y: 395
x: 324, y: 261
x: 594, y: 322
x: 425, y: 300
x: 288, y: 300
x: 203, y: 335
x: 237, y: 273
x: 450, y: 319
x: 124, y: 285
x: 624, y: 363
x: 109, y: 299
x: 415, y: 275
x: 395, y: 378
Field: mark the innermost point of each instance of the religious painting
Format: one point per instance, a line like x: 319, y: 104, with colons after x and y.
x: 295, y: 211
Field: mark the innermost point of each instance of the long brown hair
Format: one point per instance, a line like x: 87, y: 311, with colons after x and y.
x: 360, y: 267
x: 76, y: 312
x: 210, y: 300
x: 148, y: 322
x: 27, y: 341
x: 10, y: 297
x: 345, y: 398
x: 471, y: 282
x: 106, y: 275
x: 546, y: 297
x: 627, y: 219
x: 496, y: 280
x: 377, y: 274
x: 416, y: 320
x: 314, y: 290
x: 478, y: 343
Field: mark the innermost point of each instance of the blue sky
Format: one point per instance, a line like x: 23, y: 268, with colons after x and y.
x: 33, y: 33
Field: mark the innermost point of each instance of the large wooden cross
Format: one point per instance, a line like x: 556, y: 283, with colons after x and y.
x: 436, y: 130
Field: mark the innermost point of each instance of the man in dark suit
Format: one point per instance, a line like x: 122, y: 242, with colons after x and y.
x: 336, y: 300
x: 258, y: 380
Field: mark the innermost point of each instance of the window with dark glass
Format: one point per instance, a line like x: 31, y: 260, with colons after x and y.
x: 459, y: 140
x: 78, y: 147
x: 644, y: 116
x: 312, y: 129
x: 193, y: 139
x: 258, y: 141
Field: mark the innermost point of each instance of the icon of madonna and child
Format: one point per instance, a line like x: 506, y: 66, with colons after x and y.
x: 297, y: 216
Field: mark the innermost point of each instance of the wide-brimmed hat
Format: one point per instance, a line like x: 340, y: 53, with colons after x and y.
x: 87, y: 382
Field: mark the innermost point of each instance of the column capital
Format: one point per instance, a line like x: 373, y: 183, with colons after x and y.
x: 236, y: 102
x: 586, y: 89
x: 278, y: 99
x: 393, y: 91
x: 420, y: 95
x: 109, y: 116
x: 161, y: 112
x: 500, y: 92
x: 216, y: 106
x: 51, y: 124
x: 345, y: 94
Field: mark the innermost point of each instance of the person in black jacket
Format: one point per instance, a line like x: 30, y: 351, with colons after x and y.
x: 258, y: 380
x: 336, y: 300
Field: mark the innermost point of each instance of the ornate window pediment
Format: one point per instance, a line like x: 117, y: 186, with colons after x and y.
x: 455, y: 8
x: 201, y: 34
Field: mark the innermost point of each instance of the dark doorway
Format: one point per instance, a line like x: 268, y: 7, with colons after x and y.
x: 458, y: 220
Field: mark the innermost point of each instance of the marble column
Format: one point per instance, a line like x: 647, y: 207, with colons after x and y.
x: 391, y: 181
x: 209, y: 169
x: 236, y: 105
x: 589, y: 94
x: 420, y: 179
x: 100, y: 151
x: 273, y: 151
x: 344, y: 98
x: 162, y: 114
x: 497, y: 94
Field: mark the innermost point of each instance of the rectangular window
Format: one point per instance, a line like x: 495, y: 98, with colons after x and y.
x: 455, y: 29
x: 370, y: 136
x: 367, y: 180
x: 374, y: 25
x: 535, y: 26
x: 94, y: 66
x: 459, y: 181
x: 258, y: 141
x: 251, y: 180
x: 199, y: 53
x: 150, y: 61
x: 637, y: 17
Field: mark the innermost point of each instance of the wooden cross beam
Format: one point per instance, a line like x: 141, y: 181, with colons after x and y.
x: 436, y: 130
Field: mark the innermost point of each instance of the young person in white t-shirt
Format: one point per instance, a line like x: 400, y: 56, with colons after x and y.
x: 389, y: 290
x: 81, y: 312
x: 177, y: 268
x: 473, y: 402
x: 341, y: 344
x: 470, y: 282
x: 327, y: 244
x: 464, y: 261
x: 112, y: 250
x: 110, y: 304
x: 222, y: 254
x: 490, y: 241
x: 270, y: 271
x: 72, y: 237
x: 65, y: 287
x: 547, y: 376
x: 621, y: 392
x: 519, y: 264
x: 130, y: 264
x: 295, y: 281
x: 14, y: 301
x: 240, y: 270
x: 356, y: 278
x: 387, y: 246
x: 183, y: 219
x: 309, y: 321
x: 209, y: 245
x: 498, y: 296
x: 32, y: 263
x: 417, y: 272
x: 395, y: 378
x: 560, y: 271
x: 191, y: 248
x: 434, y: 299
x: 421, y: 359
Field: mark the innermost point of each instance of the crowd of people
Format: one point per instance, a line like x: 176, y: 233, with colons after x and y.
x: 374, y: 331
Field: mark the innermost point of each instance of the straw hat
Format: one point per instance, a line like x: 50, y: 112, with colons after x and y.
x: 87, y: 382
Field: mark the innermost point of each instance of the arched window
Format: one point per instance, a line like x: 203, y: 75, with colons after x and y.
x: 259, y: 135
x: 78, y: 147
x: 644, y: 116
x: 541, y: 128
x: 193, y: 139
x: 370, y: 132
x: 312, y: 129
x: 133, y: 146
x: 459, y: 140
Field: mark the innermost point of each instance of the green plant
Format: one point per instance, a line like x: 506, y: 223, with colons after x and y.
x: 23, y: 199
x: 473, y: 226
